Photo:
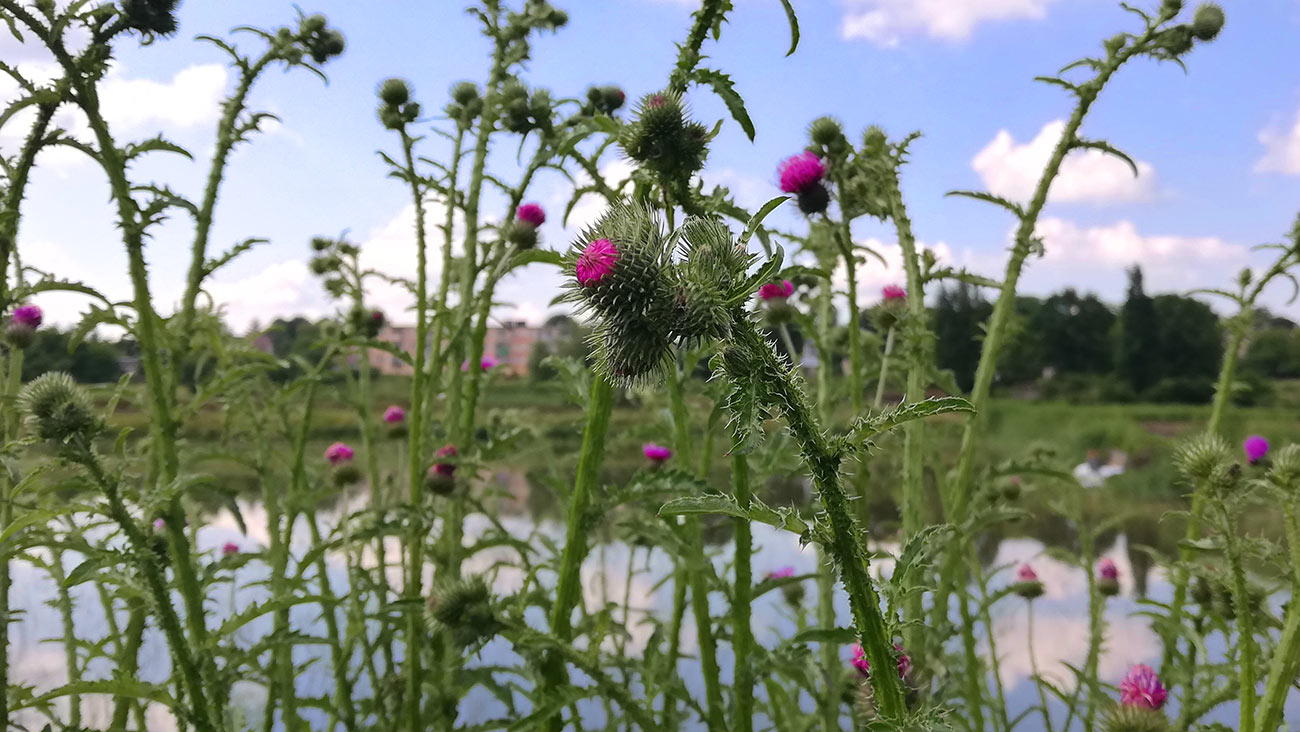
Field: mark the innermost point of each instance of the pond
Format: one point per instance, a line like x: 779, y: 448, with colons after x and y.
x: 1060, y: 634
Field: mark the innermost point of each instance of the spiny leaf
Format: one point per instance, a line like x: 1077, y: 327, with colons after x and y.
x: 1013, y: 207
x: 1106, y: 147
x: 530, y: 256
x: 725, y: 88
x: 825, y: 635
x: 756, y: 220
x: 864, y: 429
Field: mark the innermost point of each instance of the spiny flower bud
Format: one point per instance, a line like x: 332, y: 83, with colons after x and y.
x: 314, y: 23
x: 1027, y: 583
x: 663, y: 139
x: 154, y: 17
x: 826, y: 133
x: 1177, y: 40
x: 464, y: 92
x: 465, y: 608
x: 522, y: 235
x: 1285, y: 473
x: 59, y: 409
x: 713, y: 267
x: 321, y: 243
x: 1170, y: 8
x: 1126, y: 718
x: 1207, y: 22
x: 1107, y: 577
x: 394, y: 92
x: 1199, y: 458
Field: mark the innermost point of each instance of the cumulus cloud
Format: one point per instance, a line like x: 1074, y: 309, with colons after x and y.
x: 1281, y: 149
x: 886, y: 22
x: 872, y: 275
x: 1011, y: 169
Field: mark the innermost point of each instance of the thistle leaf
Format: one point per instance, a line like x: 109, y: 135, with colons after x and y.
x: 725, y: 88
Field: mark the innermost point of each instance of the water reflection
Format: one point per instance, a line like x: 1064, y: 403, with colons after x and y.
x: 1060, y: 631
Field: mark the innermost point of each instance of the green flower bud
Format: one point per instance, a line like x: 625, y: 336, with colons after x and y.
x: 663, y: 140
x: 827, y: 133
x: 152, y: 17
x: 464, y: 92
x: 465, y: 608
x: 1285, y: 473
x: 324, y: 264
x: 1177, y: 40
x: 1170, y: 8
x: 345, y: 474
x: 394, y: 92
x: 19, y: 335
x: 58, y: 409
x: 1127, y: 718
x: 1202, y: 457
x: 1207, y: 22
x: 313, y: 24
x: 523, y: 236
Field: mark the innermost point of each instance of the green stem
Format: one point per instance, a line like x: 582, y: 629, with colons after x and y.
x: 856, y: 385
x: 64, y: 600
x: 1286, y: 658
x: 338, y: 660
x: 742, y: 597
x: 128, y: 663
x: 884, y: 369
x: 995, y: 664
x: 1245, y: 623
x: 599, y: 406
x: 844, y: 545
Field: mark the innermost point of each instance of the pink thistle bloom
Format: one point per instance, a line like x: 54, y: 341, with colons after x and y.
x: 801, y: 172
x: 1256, y: 447
x: 1026, y: 573
x: 1142, y: 688
x: 893, y: 292
x: 1107, y: 570
x: 863, y: 666
x: 338, y: 453
x: 531, y: 214
x: 488, y: 363
x: 159, y: 524
x: 446, y: 451
x: 230, y: 548
x: 781, y: 573
x: 656, y: 454
x: 596, y: 262
x: 776, y: 290
x: 394, y: 414
x: 29, y: 316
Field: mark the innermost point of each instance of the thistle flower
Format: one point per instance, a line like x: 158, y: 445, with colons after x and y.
x: 159, y: 524
x: 801, y: 172
x: 21, y: 330
x: 1255, y: 447
x: 531, y: 213
x: 863, y: 666
x: 1107, y: 577
x: 446, y: 451
x: 596, y: 262
x: 394, y: 414
x: 781, y: 573
x: 656, y: 454
x: 776, y: 290
x: 1142, y: 688
x: 230, y: 548
x: 487, y: 363
x: 339, y: 453
x: 893, y: 293
x: 793, y: 591
x: 1027, y: 583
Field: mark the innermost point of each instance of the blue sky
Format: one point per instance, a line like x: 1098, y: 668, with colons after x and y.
x: 1219, y: 147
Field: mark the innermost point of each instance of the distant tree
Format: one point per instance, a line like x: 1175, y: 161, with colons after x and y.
x: 1075, y: 333
x: 1273, y: 353
x: 959, y: 317
x: 93, y: 361
x: 1189, y: 340
x: 1139, y: 330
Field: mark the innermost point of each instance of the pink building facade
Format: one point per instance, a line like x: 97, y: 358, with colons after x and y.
x: 510, y: 345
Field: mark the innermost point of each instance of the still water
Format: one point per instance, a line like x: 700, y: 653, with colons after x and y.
x: 1060, y: 634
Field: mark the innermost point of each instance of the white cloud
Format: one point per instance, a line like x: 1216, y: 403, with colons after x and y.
x: 872, y: 275
x: 282, y: 288
x: 1281, y: 150
x: 1012, y: 170
x: 885, y: 22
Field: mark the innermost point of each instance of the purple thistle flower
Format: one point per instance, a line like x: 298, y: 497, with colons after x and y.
x: 596, y: 262
x: 531, y: 214
x: 394, y: 414
x: 893, y: 292
x: 1107, y: 570
x: 1142, y: 688
x: 338, y: 453
x: 159, y: 524
x: 1256, y: 447
x: 781, y: 573
x: 863, y: 666
x: 446, y: 451
x: 656, y: 454
x: 29, y: 316
x: 799, y: 173
x: 229, y: 548
x: 1026, y: 573
x: 776, y: 290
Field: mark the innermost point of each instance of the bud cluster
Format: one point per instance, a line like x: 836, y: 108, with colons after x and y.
x: 465, y: 608
x: 466, y: 103
x: 645, y: 303
x: 151, y: 17
x: 316, y: 38
x: 663, y: 139
x: 396, y: 107
x: 521, y: 112
x: 1177, y: 40
x: 603, y: 100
